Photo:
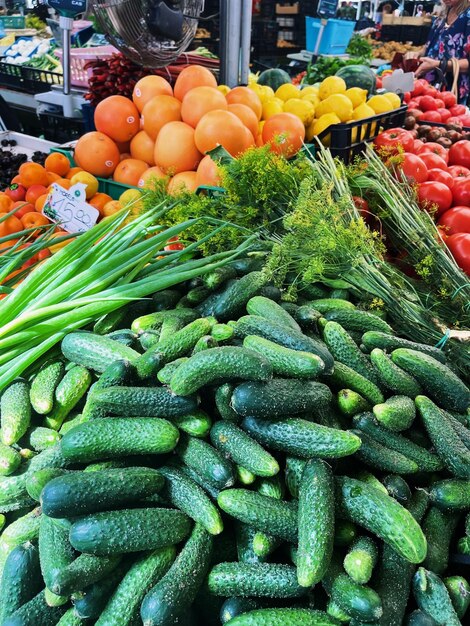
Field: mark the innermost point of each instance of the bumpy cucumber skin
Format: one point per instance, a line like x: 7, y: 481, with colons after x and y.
x: 196, y: 424
x: 437, y: 379
x: 95, y: 351
x: 186, y: 495
x: 84, y: 571
x: 432, y: 597
x: 242, y: 449
x: 232, y: 300
x: 397, y: 413
x: 13, y: 494
x: 384, y: 341
x: 25, y: 528
x: 90, y: 602
x: 451, y: 494
x: 419, y: 618
x: 118, y: 373
x: 154, y: 321
x: 41, y: 438
x: 302, y: 438
x: 176, y: 591
x: 316, y: 519
x: 164, y: 375
x: 284, y: 617
x: 351, y: 403
x: 55, y: 551
x: 70, y: 618
x: 68, y: 393
x: 223, y: 395
x: 344, y: 350
x: 10, y: 460
x: 262, y: 512
x: 259, y: 580
x: 293, y: 474
x: 44, y: 385
x: 15, y: 412
x: 359, y: 321
x: 393, y: 377
x: 80, y: 493
x: 36, y: 481
x: 35, y: 612
x: 398, y: 488
x: 345, y: 377
x: 143, y: 402
x: 360, y: 560
x: 438, y: 526
x: 244, y: 538
x: 382, y: 516
x: 206, y: 461
x: 273, y: 487
x: 20, y: 580
x: 264, y: 307
x: 285, y: 361
x: 111, y: 437
x: 378, y: 456
x: 129, y: 530
x: 459, y: 592
x: 226, y: 362
x: 234, y: 606
x: 324, y: 305
x: 358, y: 601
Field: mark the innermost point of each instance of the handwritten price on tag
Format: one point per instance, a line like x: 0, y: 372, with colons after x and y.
x: 68, y: 208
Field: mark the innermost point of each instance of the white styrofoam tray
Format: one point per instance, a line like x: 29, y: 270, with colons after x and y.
x: 25, y: 144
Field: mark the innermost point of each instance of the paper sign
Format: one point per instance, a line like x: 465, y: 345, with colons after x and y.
x: 68, y: 207
x: 399, y: 81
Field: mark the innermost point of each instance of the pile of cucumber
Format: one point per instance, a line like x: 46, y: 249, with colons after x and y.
x: 215, y: 455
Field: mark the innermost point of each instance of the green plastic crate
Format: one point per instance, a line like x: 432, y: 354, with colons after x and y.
x: 12, y: 21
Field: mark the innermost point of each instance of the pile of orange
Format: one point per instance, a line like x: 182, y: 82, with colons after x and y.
x: 165, y: 132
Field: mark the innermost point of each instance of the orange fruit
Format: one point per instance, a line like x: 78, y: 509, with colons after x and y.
x: 147, y: 88
x: 16, y: 180
x: 91, y: 183
x: 248, y: 139
x: 34, y: 219
x: 175, y: 148
x: 99, y: 201
x: 246, y: 116
x: 23, y: 207
x: 57, y: 163
x: 52, y: 178
x: 246, y: 96
x: 33, y: 174
x: 97, y: 154
x: 34, y: 192
x: 5, y: 203
x: 118, y: 118
x: 65, y: 182
x: 199, y: 101
x: 191, y: 77
x: 73, y: 170
x: 129, y: 171
x: 285, y: 133
x: 143, y: 147
x: 208, y: 173
x: 159, y: 111
x: 220, y: 128
x: 9, y: 226
x: 40, y: 202
x: 182, y: 183
x: 111, y: 207
x: 148, y: 178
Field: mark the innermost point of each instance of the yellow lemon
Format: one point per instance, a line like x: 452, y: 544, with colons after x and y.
x: 86, y: 179
x: 393, y: 98
x: 111, y: 207
x: 340, y: 104
x: 268, y: 92
x: 307, y: 91
x: 130, y: 195
x: 224, y: 89
x: 310, y: 131
x: 324, y: 122
x: 313, y: 98
x: 380, y: 104
x: 253, y: 78
x: 330, y: 86
x: 321, y: 109
x: 303, y: 109
x: 272, y: 107
x: 357, y: 95
x: 363, y: 111
x: 287, y: 91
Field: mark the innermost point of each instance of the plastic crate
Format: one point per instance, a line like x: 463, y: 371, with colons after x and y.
x: 11, y: 76
x: 79, y: 57
x: 336, y: 35
x: 27, y: 79
x: 60, y: 130
x: 88, y: 113
x: 347, y: 141
x: 16, y: 22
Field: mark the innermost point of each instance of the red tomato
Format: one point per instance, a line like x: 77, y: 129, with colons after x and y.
x: 465, y: 119
x: 459, y: 245
x: 449, y: 99
x: 440, y: 103
x: 456, y: 220
x: 407, y: 97
x: 414, y: 104
x: 433, y: 194
x: 459, y: 153
x: 43, y: 254
x: 458, y: 109
x: 22, y: 208
x: 363, y: 207
x: 418, y: 88
x: 417, y: 145
x: 413, y: 168
x: 431, y: 116
x: 445, y: 114
x: 457, y: 171
x: 454, y: 120
x: 428, y: 103
x: 390, y: 140
x: 441, y: 176
x: 432, y: 160
x: 15, y: 192
x: 461, y: 192
x: 435, y: 148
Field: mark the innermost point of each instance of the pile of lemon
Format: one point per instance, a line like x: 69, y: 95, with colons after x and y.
x: 320, y: 107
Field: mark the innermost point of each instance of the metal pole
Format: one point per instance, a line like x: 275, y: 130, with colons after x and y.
x: 233, y: 50
x: 66, y: 24
x: 245, y: 41
x: 223, y: 36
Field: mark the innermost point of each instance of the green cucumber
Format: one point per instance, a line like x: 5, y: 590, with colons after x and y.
x: 110, y: 321
x: 398, y: 488
x: 36, y: 481
x: 143, y: 402
x: 419, y: 618
x: 176, y: 591
x: 359, y: 321
x: 169, y: 327
x: 222, y: 332
x: 233, y: 299
x: 371, y: 480
x: 35, y: 612
x: 13, y: 492
x: 358, y: 601
x: 124, y: 336
x: 462, y: 431
x: 70, y: 618
x: 302, y: 438
x: 293, y: 474
x: 285, y: 361
x: 223, y: 396
x: 437, y: 379
x: 463, y: 546
x: 234, y: 606
x: 351, y: 403
x: 41, y: 438
x: 244, y: 539
x: 164, y: 375
x: 324, y: 305
x: 449, y: 446
x: 149, y: 338
x: 74, y: 419
x: 262, y: 512
x: 387, y: 342
x: 432, y: 597
x: 264, y: 544
x: 397, y: 413
x: 451, y: 493
x: 284, y: 617
x: 378, y: 456
x: 84, y: 571
x: 216, y: 278
x: 118, y: 373
x: 128, y: 530
x: 81, y: 493
x: 273, y: 487
x: 165, y: 299
x: 337, y: 612
x: 10, y: 460
x: 459, y: 592
x: 381, y: 515
x: 90, y: 602
x: 25, y: 528
x: 206, y: 461
x: 197, y: 423
x: 43, y: 387
x: 344, y: 377
x: 345, y: 533
x: 15, y: 412
x: 244, y: 476
x: 68, y: 393
x: 219, y: 364
x: 187, y: 496
x: 116, y: 437
x: 393, y: 377
x: 207, y: 342
x: 344, y: 350
x: 20, y: 580
x: 307, y: 316
x: 259, y: 580
x: 231, y: 441
x: 361, y: 559
x: 438, y: 526
x: 55, y: 550
x: 95, y: 351
x: 154, y: 321
x: 316, y: 520
x: 264, y: 307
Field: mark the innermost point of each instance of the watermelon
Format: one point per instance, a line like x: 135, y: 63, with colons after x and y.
x: 274, y: 78
x: 358, y: 76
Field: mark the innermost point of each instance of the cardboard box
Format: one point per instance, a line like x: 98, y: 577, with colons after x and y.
x: 288, y: 9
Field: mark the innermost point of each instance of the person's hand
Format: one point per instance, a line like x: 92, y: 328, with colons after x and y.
x: 426, y: 65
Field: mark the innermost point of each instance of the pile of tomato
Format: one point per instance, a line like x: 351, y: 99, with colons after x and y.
x: 441, y: 178
x: 427, y: 104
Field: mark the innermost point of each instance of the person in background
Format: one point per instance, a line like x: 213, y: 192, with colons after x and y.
x: 449, y: 37
x: 419, y: 10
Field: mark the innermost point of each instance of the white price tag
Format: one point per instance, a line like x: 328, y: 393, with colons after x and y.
x: 399, y: 81
x: 68, y: 207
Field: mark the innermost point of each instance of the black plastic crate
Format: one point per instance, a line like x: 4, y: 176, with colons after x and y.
x: 27, y: 79
x: 88, y: 114
x: 11, y: 76
x: 59, y: 129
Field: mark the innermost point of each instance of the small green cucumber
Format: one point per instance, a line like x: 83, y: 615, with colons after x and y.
x: 110, y: 321
x: 196, y: 295
x: 124, y: 336
x: 176, y: 591
x: 451, y: 493
x: 223, y: 396
x: 55, y: 550
x: 197, y: 423
x: 216, y: 364
x: 25, y: 528
x: 393, y: 377
x: 433, y: 598
x: 371, y: 480
x: 388, y: 343
x: 70, y: 618
x: 284, y: 617
x: 216, y: 278
x: 222, y: 332
x: 459, y: 592
x: 13, y: 494
x: 361, y: 559
x: 358, y: 601
x: 438, y: 526
x: 43, y: 387
x: 264, y: 307
x: 72, y: 420
x: 397, y: 413
x: 207, y: 342
x: 231, y: 441
x: 244, y: 476
x: 154, y: 321
x: 463, y: 546
x: 233, y: 299
x: 20, y: 580
x: 35, y: 612
x: 206, y: 461
x: 324, y: 305
x: 357, y: 320
x: 344, y: 377
x: 36, y: 481
x: 84, y: 571
x: 90, y: 602
x: 285, y: 361
x: 41, y: 438
x: 398, y: 488
x: 149, y: 338
x: 116, y: 437
x: 293, y: 474
x: 419, y: 618
x: 344, y: 350
x: 273, y: 487
x: 165, y: 299
x: 234, y: 606
x: 345, y: 533
x: 264, y: 544
x: 129, y: 530
x: 95, y: 351
x: 259, y: 580
x: 316, y: 519
x: 244, y: 539
x: 68, y: 393
x: 15, y: 412
x: 10, y: 460
x: 462, y: 431
x: 50, y: 457
x: 164, y: 375
x: 378, y: 456
x: 351, y: 403
x: 118, y: 373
